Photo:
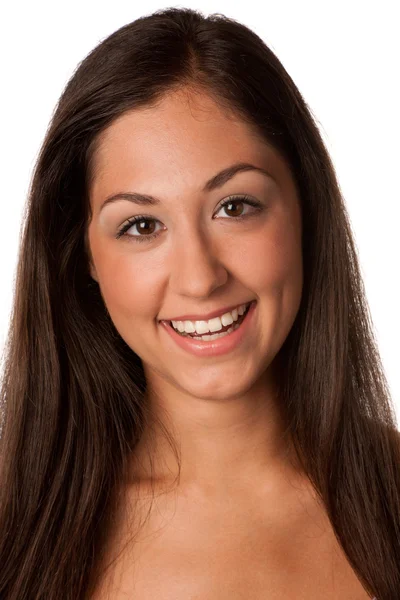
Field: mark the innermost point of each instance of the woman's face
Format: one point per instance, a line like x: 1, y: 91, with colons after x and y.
x: 201, y: 258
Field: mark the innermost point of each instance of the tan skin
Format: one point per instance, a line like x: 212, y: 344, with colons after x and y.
x: 243, y: 521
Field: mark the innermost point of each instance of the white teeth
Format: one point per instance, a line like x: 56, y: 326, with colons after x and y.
x: 241, y: 309
x: 215, y: 336
x: 227, y: 319
x: 212, y: 325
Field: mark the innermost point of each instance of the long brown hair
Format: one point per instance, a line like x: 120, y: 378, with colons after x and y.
x: 73, y: 393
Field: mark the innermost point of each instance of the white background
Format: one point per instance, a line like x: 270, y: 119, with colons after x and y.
x: 342, y: 55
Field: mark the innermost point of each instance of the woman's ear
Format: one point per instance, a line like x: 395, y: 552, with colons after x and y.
x: 92, y: 268
x: 93, y: 272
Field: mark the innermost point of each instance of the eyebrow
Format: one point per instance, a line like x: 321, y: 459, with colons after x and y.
x: 215, y: 182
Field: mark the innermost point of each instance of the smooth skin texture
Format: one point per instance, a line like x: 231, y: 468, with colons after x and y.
x: 242, y: 516
x: 223, y: 409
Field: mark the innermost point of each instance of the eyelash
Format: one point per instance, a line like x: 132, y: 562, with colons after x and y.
x: 143, y: 238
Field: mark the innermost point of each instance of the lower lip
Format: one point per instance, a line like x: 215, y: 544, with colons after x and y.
x: 215, y: 347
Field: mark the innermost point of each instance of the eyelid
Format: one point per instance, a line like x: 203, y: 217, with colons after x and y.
x: 257, y: 205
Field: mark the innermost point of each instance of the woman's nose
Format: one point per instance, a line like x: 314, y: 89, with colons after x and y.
x: 197, y: 267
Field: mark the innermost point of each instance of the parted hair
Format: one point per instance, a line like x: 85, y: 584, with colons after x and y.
x: 73, y: 393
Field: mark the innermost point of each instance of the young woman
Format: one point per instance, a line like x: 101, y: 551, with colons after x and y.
x: 194, y: 405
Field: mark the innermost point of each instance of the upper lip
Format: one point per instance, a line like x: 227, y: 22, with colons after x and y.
x: 208, y: 316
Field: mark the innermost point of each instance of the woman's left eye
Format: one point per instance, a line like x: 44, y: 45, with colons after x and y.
x: 237, y: 200
x: 232, y: 201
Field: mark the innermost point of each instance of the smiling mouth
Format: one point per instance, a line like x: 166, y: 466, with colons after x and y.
x: 209, y: 336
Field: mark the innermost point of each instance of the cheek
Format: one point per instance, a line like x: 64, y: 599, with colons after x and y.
x: 271, y: 260
x: 272, y: 265
x: 127, y: 286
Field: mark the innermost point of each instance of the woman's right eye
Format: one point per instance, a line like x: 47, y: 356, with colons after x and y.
x: 135, y: 221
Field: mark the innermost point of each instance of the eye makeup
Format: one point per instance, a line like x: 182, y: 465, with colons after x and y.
x: 239, y: 199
